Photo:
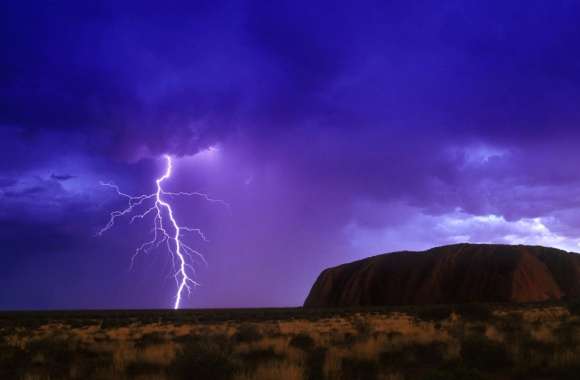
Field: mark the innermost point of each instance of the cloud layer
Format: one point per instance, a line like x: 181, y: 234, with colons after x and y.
x: 339, y: 131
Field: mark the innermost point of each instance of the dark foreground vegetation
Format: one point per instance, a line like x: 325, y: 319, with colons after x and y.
x: 472, y: 342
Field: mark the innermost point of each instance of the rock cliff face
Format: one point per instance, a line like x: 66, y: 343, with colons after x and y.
x: 452, y: 274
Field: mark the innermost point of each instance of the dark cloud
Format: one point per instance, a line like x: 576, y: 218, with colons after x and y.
x: 7, y: 182
x: 62, y: 177
x: 336, y: 123
x: 25, y: 192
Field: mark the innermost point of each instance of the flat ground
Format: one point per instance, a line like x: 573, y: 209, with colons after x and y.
x: 433, y: 342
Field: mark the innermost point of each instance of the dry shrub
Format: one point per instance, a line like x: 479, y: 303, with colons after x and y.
x: 359, y: 369
x: 254, y: 358
x: 481, y: 353
x: 414, y: 356
x: 247, y: 333
x: 274, y: 371
x: 459, y: 373
x: 159, y: 354
x: 206, y: 359
x: 362, y: 326
x: 302, y: 341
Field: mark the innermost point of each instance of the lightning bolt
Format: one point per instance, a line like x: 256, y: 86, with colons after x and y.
x: 166, y: 229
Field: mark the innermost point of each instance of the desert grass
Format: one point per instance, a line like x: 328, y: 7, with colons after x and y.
x: 443, y: 342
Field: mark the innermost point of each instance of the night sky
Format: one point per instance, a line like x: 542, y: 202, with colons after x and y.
x: 334, y: 131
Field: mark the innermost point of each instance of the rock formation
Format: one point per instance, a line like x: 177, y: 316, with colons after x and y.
x: 452, y: 274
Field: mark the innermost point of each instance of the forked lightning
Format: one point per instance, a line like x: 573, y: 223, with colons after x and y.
x: 166, y: 229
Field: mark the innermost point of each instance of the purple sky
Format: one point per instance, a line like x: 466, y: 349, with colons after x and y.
x: 334, y: 131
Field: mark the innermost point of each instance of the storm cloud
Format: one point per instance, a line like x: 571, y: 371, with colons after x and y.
x: 337, y: 131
